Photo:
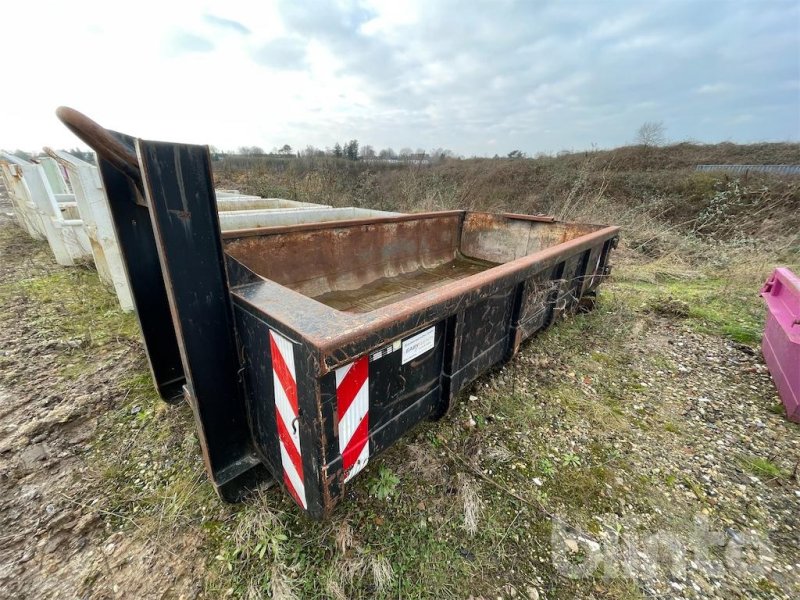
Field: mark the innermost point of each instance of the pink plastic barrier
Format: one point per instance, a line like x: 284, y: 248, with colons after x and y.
x: 781, y: 343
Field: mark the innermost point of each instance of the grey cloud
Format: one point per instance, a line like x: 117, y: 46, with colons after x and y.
x: 182, y: 42
x: 543, y: 76
x: 288, y: 54
x: 339, y: 29
x: 224, y: 23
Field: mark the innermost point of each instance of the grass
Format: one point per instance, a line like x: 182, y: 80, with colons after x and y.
x: 462, y: 507
x: 761, y: 467
x: 417, y: 523
x: 715, y: 306
x: 73, y: 308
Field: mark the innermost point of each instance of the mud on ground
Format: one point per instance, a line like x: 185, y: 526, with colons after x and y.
x: 56, y: 538
x: 637, y: 451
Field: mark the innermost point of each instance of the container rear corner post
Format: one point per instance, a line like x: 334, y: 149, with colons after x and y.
x: 305, y: 370
x: 164, y: 216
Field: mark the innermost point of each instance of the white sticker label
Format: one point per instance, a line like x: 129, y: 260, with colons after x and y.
x: 418, y: 344
x: 385, y: 351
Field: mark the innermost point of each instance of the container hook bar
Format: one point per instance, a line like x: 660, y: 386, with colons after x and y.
x: 101, y: 140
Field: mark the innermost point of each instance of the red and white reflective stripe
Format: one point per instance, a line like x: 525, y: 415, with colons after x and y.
x: 286, y: 413
x: 352, y: 398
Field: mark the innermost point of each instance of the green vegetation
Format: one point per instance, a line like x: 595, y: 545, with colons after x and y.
x: 711, y: 305
x: 462, y: 507
x: 384, y: 486
x: 404, y: 529
x: 74, y: 311
x: 761, y: 467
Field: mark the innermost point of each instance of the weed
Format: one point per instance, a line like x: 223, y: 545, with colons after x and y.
x: 669, y: 307
x: 546, y: 467
x: 385, y: 484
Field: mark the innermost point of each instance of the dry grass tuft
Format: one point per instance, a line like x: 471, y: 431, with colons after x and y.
x: 281, y: 583
x: 335, y: 590
x: 349, y: 569
x: 468, y: 492
x: 344, y: 536
x: 425, y: 463
x: 260, y: 523
x: 382, y: 573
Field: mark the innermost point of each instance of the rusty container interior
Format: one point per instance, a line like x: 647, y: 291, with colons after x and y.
x: 359, y: 268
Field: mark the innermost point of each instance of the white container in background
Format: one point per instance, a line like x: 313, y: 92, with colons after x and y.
x: 93, y: 208
x: 45, y: 211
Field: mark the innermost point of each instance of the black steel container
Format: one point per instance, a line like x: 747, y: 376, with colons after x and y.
x: 305, y: 351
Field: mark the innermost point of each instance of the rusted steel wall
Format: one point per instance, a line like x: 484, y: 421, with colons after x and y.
x: 316, y: 261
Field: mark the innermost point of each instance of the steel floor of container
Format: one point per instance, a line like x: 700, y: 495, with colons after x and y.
x: 387, y: 290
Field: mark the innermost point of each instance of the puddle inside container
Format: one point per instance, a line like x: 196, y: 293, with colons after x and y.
x: 386, y: 290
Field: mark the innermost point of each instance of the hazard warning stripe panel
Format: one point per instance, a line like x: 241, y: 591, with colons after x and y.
x: 286, y: 415
x: 352, y: 400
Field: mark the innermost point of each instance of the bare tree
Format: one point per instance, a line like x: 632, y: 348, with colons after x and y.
x: 439, y: 154
x: 367, y: 151
x: 651, y: 133
x: 250, y: 150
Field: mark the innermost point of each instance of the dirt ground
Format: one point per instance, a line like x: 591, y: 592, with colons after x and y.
x: 56, y: 540
x: 635, y: 452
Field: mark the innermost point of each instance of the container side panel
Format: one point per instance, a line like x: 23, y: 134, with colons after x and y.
x: 483, y: 332
x: 537, y: 301
x: 314, y: 262
x: 290, y: 432
x: 256, y: 354
x: 491, y: 237
x: 400, y: 374
x: 352, y: 404
x: 380, y: 396
x: 601, y: 269
x: 503, y: 238
x: 569, y: 284
x: 287, y: 416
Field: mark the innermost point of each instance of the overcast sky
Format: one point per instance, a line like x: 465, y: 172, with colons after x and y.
x: 477, y: 77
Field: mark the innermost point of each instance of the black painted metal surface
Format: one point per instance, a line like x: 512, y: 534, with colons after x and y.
x: 281, y: 382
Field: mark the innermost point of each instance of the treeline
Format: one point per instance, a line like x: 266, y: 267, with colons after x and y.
x: 350, y: 150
